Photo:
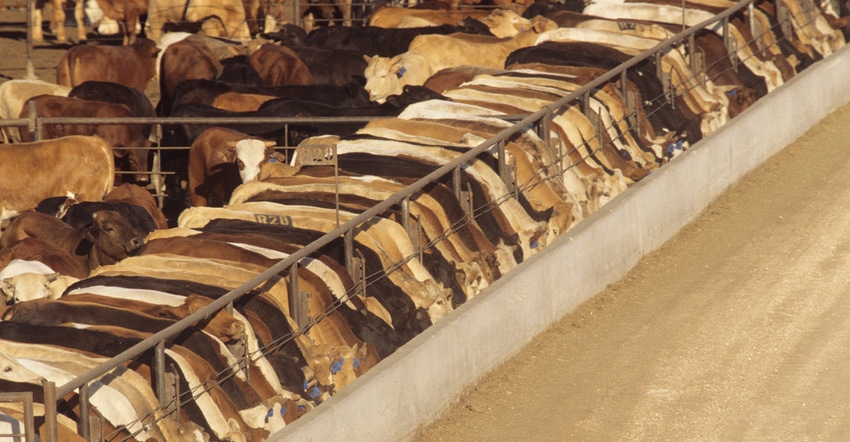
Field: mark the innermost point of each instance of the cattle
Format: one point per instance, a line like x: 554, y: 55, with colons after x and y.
x: 79, y: 213
x: 132, y: 65
x: 127, y: 13
x: 384, y: 238
x: 394, y: 17
x: 15, y: 93
x: 184, y: 60
x: 93, y: 173
x: 116, y: 404
x: 429, y: 54
x: 183, y: 134
x: 138, y: 103
x: 660, y: 112
x: 279, y: 65
x: 331, y: 66
x: 30, y: 249
x: 222, y: 325
x: 125, y: 139
x: 330, y: 331
x: 24, y: 280
x: 217, y: 19
x: 407, y: 319
x: 211, y: 406
x: 548, y: 7
x: 139, y: 196
x: 236, y: 70
x: 351, y: 94
x: 57, y: 21
x: 219, y: 160
x: 368, y: 320
x: 383, y: 42
x: 109, y: 239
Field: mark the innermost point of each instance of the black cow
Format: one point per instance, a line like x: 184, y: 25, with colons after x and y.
x: 385, y: 42
x: 185, y: 134
x: 139, y: 103
x: 351, y: 94
x: 79, y: 214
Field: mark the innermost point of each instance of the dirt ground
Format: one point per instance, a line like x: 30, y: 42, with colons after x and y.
x: 737, y: 329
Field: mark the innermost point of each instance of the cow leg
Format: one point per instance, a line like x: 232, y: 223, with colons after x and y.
x: 80, y: 17
x: 59, y: 21
x: 345, y: 8
x: 37, y: 32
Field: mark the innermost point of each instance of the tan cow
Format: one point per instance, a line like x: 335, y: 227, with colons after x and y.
x: 133, y: 65
x: 27, y: 177
x: 391, y: 17
x: 431, y: 53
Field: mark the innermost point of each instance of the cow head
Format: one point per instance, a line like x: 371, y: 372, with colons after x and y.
x: 388, y: 76
x: 112, y: 238
x: 12, y: 370
x: 29, y: 286
x: 506, y: 23
x: 250, y: 155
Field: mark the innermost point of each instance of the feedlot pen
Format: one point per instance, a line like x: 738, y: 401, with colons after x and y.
x: 528, y: 291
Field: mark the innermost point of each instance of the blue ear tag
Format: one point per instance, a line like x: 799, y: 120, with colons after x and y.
x: 732, y: 93
x: 306, y: 385
x: 534, y: 244
x: 401, y: 71
x: 282, y: 411
x: 269, y: 415
x: 272, y: 160
x: 314, y: 393
x: 336, y: 366
x: 356, y: 363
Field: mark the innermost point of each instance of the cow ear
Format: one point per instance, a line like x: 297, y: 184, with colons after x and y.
x: 91, y: 233
x: 395, y: 64
x: 367, y: 58
x: 231, y: 144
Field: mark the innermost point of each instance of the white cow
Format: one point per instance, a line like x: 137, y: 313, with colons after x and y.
x: 23, y: 280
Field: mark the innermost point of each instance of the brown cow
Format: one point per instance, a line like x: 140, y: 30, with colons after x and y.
x: 187, y: 59
x: 278, y: 65
x: 27, y: 177
x: 117, y: 135
x: 133, y: 194
x: 108, y: 240
x: 133, y: 65
x: 222, y: 324
x: 31, y: 249
x: 213, y: 168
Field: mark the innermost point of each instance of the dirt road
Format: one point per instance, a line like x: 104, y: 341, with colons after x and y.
x: 737, y: 329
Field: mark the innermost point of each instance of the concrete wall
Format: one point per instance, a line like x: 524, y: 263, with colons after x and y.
x: 414, y: 385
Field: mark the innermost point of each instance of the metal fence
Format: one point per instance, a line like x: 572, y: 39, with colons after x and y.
x: 539, y: 121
